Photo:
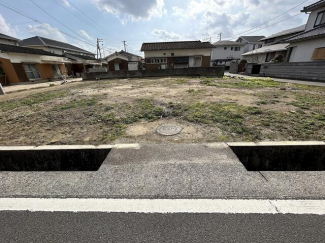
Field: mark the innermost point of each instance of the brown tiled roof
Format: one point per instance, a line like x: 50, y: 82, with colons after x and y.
x: 159, y: 46
x: 25, y: 50
x: 313, y: 6
x: 311, y: 34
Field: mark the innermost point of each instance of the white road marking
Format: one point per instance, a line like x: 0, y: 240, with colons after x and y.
x: 164, y: 206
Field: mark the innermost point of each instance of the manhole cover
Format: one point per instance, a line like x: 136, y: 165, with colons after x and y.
x: 169, y: 130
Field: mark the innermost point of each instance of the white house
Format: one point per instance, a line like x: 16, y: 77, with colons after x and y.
x: 273, y: 46
x: 310, y: 45
x: 123, y: 61
x: 251, y: 42
x: 180, y: 54
x: 226, y: 51
x: 8, y: 40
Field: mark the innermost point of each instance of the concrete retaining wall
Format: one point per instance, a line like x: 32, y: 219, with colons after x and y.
x: 314, y: 71
x: 201, y: 71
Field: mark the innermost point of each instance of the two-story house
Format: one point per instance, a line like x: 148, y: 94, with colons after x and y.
x: 251, y: 42
x: 226, y: 51
x: 273, y: 46
x: 309, y: 45
x: 173, y: 55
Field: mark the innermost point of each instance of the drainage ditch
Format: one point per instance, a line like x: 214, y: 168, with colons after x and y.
x: 52, y: 160
x: 281, y: 158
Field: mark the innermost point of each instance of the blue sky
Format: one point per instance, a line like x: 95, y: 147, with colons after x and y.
x: 138, y: 21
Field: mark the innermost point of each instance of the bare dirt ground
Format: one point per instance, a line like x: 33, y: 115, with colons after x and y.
x: 130, y: 110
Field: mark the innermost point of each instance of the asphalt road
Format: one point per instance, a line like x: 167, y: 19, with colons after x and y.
x: 134, y: 227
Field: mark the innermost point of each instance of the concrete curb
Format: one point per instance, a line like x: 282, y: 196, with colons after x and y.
x: 284, y: 143
x: 67, y: 147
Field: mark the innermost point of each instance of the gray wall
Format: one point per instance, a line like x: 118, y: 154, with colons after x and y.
x: 201, y: 71
x: 314, y: 71
x: 233, y: 68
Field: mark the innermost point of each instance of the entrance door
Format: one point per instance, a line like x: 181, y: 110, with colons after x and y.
x: 56, y: 71
x: 117, y: 66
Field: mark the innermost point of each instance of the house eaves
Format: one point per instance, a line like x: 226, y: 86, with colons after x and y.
x: 284, y: 33
x: 315, y: 33
x: 178, y: 45
x: 267, y: 49
x: 313, y: 6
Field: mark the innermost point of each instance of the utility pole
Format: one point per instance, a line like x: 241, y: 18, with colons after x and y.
x: 220, y: 36
x: 124, y: 43
x: 98, y: 48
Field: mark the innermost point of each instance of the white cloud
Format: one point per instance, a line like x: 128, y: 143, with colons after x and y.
x: 5, y: 28
x: 131, y: 10
x: 231, y: 17
x: 46, y: 31
x: 84, y: 46
x: 85, y: 35
x: 164, y: 35
x: 66, y: 2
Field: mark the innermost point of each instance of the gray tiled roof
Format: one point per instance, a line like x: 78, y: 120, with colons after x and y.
x: 41, y: 41
x: 267, y: 49
x: 158, y: 46
x: 314, y: 6
x: 19, y: 49
x: 7, y: 37
x: 286, y: 32
x: 252, y: 39
x: 311, y: 34
x: 84, y: 57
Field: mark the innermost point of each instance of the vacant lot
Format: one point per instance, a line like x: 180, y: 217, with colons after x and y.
x: 121, y: 111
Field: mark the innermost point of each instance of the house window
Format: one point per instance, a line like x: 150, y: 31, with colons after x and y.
x: 320, y: 19
x: 225, y: 48
x: 270, y: 56
x: 172, y: 54
x: 32, y: 71
x: 319, y: 54
x: 197, y: 62
x: 156, y: 60
x: 57, y: 71
x: 237, y: 48
x: 232, y: 48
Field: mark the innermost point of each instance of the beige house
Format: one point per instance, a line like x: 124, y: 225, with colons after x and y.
x: 21, y: 64
x: 173, y: 55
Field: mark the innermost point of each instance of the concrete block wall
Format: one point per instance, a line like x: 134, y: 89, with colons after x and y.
x: 233, y: 68
x: 200, y: 71
x: 314, y: 71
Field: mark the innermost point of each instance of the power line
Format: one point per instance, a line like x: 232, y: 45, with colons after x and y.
x: 274, y: 24
x: 57, y: 20
x: 6, y: 5
x: 235, y: 35
x: 78, y: 16
x: 115, y: 37
x: 269, y: 20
